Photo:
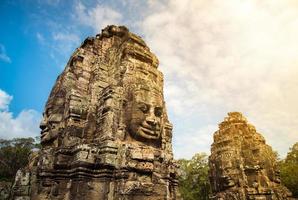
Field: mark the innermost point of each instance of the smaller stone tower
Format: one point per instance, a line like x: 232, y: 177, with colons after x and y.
x: 242, y: 165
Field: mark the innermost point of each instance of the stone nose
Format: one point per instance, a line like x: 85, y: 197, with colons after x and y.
x: 43, y: 124
x: 151, y: 118
x: 151, y: 122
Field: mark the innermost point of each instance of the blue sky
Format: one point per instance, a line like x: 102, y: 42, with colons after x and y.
x: 31, y: 71
x: 216, y: 57
x: 38, y: 37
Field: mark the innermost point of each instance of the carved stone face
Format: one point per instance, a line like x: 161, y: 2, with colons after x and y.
x: 146, y: 111
x: 50, y: 126
x: 228, y: 177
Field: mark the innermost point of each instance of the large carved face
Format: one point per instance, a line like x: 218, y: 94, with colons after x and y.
x: 145, y: 115
x: 50, y: 126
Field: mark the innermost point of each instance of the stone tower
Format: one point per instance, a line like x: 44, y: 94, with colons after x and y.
x: 242, y: 165
x: 105, y: 133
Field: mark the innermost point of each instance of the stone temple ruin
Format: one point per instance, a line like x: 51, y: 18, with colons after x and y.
x: 105, y: 135
x: 242, y: 165
x: 105, y: 132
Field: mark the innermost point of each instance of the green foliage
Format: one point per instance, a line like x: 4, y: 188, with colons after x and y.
x: 193, y: 181
x: 289, y: 170
x: 14, y: 155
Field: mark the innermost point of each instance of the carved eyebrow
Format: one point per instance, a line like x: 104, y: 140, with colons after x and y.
x: 142, y: 105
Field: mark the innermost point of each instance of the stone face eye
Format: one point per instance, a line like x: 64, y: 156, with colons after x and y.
x: 144, y: 108
x: 51, y: 124
x: 158, y: 112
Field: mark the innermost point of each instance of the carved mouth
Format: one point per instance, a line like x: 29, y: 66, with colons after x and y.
x: 44, y: 133
x: 149, y: 131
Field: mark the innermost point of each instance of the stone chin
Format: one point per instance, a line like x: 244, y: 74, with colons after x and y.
x: 48, y: 136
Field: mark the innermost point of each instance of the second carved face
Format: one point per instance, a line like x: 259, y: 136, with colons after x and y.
x: 50, y: 126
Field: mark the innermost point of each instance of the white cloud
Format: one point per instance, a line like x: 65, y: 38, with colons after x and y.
x: 193, y: 140
x: 25, y: 124
x: 97, y: 17
x: 233, y: 56
x: 4, y: 100
x: 3, y: 55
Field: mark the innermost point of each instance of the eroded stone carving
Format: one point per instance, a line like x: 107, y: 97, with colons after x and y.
x: 242, y: 165
x: 105, y: 132
x: 144, y: 114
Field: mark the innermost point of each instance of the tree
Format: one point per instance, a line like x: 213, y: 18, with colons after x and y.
x: 193, y: 179
x: 14, y: 154
x: 289, y: 170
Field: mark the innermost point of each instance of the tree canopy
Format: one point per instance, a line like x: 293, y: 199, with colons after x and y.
x: 289, y: 170
x: 193, y: 179
x: 14, y: 154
